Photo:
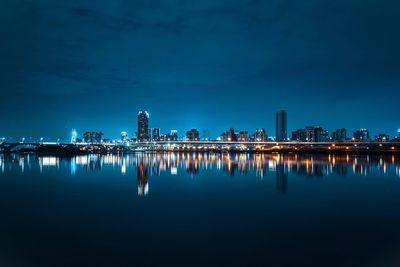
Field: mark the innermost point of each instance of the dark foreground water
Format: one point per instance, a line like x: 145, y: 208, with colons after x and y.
x: 200, y: 210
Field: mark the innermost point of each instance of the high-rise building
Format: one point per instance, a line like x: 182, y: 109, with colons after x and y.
x: 339, y: 135
x: 260, y: 135
x: 281, y: 125
x: 243, y: 136
x: 230, y: 135
x: 361, y: 135
x: 172, y: 136
x: 192, y: 135
x: 311, y: 134
x: 154, y: 134
x: 143, y: 126
x: 222, y: 137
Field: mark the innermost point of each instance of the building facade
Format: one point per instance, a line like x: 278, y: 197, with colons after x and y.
x: 339, y: 135
x: 143, y: 126
x: 93, y: 137
x: 154, y: 134
x: 281, y: 125
x: 361, y: 135
x: 192, y: 135
x: 260, y: 135
x: 311, y: 134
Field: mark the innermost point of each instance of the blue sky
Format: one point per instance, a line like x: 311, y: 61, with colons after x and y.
x: 211, y: 64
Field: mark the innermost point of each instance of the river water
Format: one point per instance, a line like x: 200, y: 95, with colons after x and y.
x: 200, y: 209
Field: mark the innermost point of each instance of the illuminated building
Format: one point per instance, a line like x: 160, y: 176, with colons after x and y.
x: 281, y: 125
x: 192, y: 135
x: 172, y: 136
x: 143, y: 126
x: 124, y: 137
x: 260, y: 135
x: 382, y: 138
x: 74, y: 136
x: 361, y: 135
x: 243, y: 136
x: 162, y: 137
x: 230, y: 135
x: 222, y: 137
x: 325, y: 136
x: 311, y: 134
x: 93, y: 137
x: 339, y: 135
x: 154, y: 134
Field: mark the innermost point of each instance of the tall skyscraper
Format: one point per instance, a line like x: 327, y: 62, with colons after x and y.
x: 143, y: 126
x: 281, y: 125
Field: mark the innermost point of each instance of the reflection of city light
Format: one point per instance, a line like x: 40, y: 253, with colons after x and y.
x: 143, y: 191
x: 2, y: 163
x: 82, y: 160
x: 73, y: 166
x: 259, y: 165
x: 123, y: 168
x: 49, y: 161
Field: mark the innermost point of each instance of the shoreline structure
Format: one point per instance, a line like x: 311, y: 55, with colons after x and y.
x: 202, y: 146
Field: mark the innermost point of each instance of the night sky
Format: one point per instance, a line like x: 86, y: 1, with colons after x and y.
x: 209, y: 64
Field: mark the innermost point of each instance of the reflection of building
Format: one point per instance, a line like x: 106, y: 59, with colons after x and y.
x: 143, y: 179
x: 143, y: 126
x: 192, y: 135
x: 281, y: 178
x: 361, y: 135
x: 93, y: 137
x: 281, y: 125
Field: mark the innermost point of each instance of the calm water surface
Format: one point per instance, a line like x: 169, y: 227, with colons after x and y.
x: 200, y: 210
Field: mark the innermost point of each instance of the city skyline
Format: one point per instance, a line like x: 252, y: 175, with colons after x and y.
x: 144, y: 131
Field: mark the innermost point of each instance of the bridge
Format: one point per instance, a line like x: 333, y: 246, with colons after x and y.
x: 214, y: 146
